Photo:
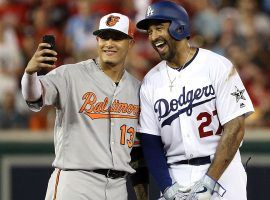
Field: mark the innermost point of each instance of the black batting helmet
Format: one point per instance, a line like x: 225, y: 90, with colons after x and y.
x: 168, y: 11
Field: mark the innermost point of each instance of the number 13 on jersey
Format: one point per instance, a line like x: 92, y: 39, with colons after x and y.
x: 128, y: 132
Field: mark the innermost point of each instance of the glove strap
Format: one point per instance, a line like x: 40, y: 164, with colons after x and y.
x: 170, y: 192
x: 213, y: 185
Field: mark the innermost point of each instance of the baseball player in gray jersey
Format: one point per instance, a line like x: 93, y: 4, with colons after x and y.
x: 97, y: 108
x: 193, y: 108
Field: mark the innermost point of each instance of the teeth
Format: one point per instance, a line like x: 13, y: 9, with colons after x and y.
x: 159, y: 43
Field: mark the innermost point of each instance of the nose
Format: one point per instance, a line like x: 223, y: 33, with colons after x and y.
x: 109, y: 43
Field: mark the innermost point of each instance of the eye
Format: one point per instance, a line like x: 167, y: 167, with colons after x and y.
x: 159, y: 28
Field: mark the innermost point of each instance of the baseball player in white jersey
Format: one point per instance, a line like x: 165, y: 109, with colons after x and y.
x: 193, y: 107
x: 97, y: 108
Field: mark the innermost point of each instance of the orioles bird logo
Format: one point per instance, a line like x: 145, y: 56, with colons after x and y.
x: 112, y: 20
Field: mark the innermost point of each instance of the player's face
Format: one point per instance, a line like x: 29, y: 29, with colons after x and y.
x: 161, y: 40
x: 113, y: 47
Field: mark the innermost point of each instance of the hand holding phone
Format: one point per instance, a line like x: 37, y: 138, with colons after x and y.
x: 50, y: 39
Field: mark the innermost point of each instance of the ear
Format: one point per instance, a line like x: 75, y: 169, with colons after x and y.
x: 97, y: 38
x: 131, y: 43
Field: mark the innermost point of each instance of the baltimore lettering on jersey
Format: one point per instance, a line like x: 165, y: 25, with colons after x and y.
x: 163, y: 108
x: 100, y: 110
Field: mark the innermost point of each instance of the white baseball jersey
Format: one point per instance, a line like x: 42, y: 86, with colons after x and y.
x: 95, y: 119
x: 205, y: 95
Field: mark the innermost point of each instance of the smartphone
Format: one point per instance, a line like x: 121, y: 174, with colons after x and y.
x: 50, y: 39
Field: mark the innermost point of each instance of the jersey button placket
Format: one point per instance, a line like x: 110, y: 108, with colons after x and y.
x: 112, y: 141
x: 183, y: 135
x: 112, y: 131
x: 186, y: 136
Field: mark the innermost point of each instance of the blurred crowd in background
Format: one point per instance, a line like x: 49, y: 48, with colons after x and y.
x: 239, y: 30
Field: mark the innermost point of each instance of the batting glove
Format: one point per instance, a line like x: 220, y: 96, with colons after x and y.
x: 175, y: 192
x: 205, y: 188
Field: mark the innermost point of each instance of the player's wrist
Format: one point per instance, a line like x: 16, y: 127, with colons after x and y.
x: 29, y: 71
x: 174, y: 191
x: 209, y: 182
x: 213, y: 185
x: 170, y: 191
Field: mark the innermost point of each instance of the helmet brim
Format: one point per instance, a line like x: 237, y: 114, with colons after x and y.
x: 145, y: 23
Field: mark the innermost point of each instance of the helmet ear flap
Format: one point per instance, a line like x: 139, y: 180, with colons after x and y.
x: 175, y: 30
x: 178, y: 31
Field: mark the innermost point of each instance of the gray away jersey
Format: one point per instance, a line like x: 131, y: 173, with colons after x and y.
x: 95, y: 119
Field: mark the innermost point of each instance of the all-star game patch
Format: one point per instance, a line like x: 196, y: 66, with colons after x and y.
x: 239, y: 94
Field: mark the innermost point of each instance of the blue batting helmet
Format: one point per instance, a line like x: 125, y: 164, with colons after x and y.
x: 168, y: 11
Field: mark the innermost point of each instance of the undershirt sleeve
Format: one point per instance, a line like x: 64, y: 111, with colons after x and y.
x: 155, y: 159
x: 31, y: 87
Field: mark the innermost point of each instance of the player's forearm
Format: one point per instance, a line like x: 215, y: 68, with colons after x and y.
x: 227, y: 147
x: 31, y: 87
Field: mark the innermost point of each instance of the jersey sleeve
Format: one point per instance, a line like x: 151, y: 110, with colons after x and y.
x: 232, y: 99
x: 147, y: 121
x: 54, y: 89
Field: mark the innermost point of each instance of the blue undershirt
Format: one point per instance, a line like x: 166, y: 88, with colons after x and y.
x: 155, y: 159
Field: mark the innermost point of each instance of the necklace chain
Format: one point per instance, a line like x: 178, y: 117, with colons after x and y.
x: 119, y: 75
x: 172, y: 81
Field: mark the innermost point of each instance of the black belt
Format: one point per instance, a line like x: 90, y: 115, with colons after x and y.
x: 109, y: 173
x: 194, y: 161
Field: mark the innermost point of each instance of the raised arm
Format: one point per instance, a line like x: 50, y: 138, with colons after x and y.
x: 31, y: 87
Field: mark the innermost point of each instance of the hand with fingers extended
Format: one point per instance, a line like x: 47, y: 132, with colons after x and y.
x: 42, y: 55
x: 204, y: 189
x: 175, y: 192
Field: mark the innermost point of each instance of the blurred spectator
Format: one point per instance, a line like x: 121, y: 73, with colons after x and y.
x: 141, y: 7
x: 228, y: 35
x: 9, y: 116
x: 15, y: 13
x: 10, y: 60
x: 10, y: 56
x: 80, y: 41
x: 136, y: 64
x: 103, y: 7
x: 206, y: 21
x: 7, y: 84
x: 58, y: 12
x: 266, y: 6
x: 250, y: 21
x: 28, y: 44
x: 255, y: 82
